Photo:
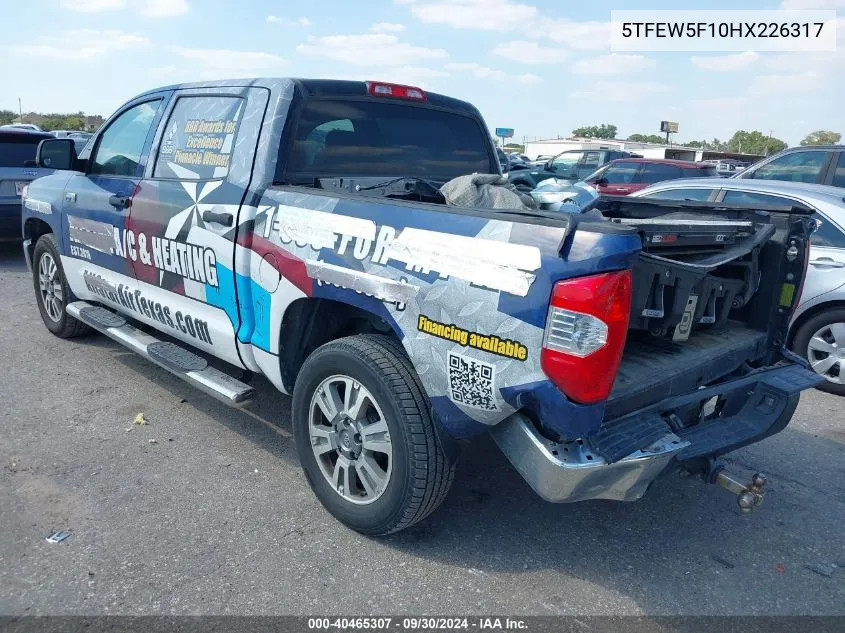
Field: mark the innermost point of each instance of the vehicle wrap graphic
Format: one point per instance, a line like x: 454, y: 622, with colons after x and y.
x: 232, y: 254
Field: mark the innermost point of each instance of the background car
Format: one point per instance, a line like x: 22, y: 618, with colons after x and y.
x: 727, y: 167
x: 21, y: 126
x: 819, y: 164
x: 623, y: 177
x: 573, y: 165
x: 817, y: 331
x: 17, y: 148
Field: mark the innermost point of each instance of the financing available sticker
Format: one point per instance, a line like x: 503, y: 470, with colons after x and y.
x: 467, y: 338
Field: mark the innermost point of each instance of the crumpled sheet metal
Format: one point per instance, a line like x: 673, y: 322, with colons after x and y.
x: 562, y: 195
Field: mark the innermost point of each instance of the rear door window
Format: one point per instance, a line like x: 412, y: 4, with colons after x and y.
x: 656, y: 172
x: 839, y: 172
x: 750, y: 198
x: 621, y: 173
x: 795, y: 167
x: 199, y: 137
x: 15, y: 149
x: 366, y: 138
x: 681, y: 194
x: 699, y: 172
x: 828, y: 234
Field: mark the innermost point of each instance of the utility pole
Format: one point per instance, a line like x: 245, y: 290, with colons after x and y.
x: 20, y: 109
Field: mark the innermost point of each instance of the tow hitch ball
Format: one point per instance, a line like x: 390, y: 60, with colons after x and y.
x: 748, y: 496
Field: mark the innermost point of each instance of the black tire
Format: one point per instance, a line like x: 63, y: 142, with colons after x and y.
x: 421, y: 473
x: 801, y: 342
x: 60, y: 322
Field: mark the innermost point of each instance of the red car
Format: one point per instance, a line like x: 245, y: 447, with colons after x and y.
x: 627, y: 175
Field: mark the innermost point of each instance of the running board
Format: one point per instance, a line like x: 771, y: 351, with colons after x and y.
x: 180, y: 362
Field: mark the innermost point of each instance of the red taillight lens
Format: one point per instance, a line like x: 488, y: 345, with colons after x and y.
x: 585, y: 334
x: 397, y: 91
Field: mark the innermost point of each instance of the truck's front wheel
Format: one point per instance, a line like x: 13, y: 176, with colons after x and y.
x: 52, y: 291
x: 365, y: 436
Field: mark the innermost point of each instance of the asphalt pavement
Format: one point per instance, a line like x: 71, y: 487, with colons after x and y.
x: 204, y: 510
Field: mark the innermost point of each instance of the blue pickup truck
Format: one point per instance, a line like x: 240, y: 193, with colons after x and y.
x: 298, y: 229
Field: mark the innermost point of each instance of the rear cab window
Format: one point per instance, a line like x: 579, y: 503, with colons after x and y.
x: 17, y: 148
x: 361, y: 137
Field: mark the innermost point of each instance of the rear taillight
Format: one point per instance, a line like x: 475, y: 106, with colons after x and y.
x: 397, y: 91
x: 585, y: 334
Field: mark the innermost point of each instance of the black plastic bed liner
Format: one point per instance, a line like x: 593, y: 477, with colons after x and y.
x: 654, y: 369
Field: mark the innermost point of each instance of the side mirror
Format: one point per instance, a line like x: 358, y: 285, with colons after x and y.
x: 601, y: 182
x: 56, y: 153
x: 549, y: 166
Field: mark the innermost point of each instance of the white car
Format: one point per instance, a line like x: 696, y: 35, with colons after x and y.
x: 818, y: 325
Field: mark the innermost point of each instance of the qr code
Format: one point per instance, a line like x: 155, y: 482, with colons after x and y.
x: 472, y: 382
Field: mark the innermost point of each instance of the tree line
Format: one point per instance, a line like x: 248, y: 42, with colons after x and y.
x: 742, y: 142
x: 51, y: 121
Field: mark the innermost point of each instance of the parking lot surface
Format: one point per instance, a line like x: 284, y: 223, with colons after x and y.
x: 204, y: 510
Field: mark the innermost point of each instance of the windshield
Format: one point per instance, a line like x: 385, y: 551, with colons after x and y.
x: 385, y: 139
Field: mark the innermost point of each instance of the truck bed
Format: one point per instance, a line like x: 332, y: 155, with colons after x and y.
x: 653, y: 370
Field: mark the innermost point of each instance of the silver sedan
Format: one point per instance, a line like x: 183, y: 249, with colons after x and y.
x: 818, y: 326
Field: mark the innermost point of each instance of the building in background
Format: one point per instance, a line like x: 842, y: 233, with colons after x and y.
x: 554, y: 146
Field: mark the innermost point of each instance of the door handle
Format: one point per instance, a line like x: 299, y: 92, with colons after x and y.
x: 827, y: 262
x: 623, y: 189
x: 226, y: 219
x: 120, y: 202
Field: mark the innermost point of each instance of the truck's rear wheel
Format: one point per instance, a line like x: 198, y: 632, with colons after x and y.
x: 365, y: 436
x: 52, y: 291
x: 821, y: 340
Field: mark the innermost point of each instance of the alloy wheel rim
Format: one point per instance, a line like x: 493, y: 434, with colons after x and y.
x: 50, y: 286
x: 826, y: 352
x: 350, y: 439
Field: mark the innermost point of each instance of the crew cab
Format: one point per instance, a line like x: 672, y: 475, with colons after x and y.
x: 298, y: 229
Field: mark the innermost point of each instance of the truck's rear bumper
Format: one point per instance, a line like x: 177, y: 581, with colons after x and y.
x: 631, y: 452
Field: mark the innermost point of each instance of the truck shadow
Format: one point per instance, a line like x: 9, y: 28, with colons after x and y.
x: 11, y: 257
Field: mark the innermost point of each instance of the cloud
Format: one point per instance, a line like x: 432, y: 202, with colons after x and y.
x: 613, y: 64
x: 812, y: 4
x: 372, y: 49
x: 512, y: 15
x: 528, y: 52
x: 164, y: 8
x: 726, y: 63
x: 81, y: 44
x: 387, y: 27
x: 91, y: 6
x: 147, y: 8
x: 302, y: 21
x: 485, y: 15
x: 804, y: 84
x: 221, y: 63
x: 621, y: 91
x: 579, y: 35
x: 485, y: 72
x: 721, y: 103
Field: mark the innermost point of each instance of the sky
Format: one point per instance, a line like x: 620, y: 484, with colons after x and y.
x: 542, y: 67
